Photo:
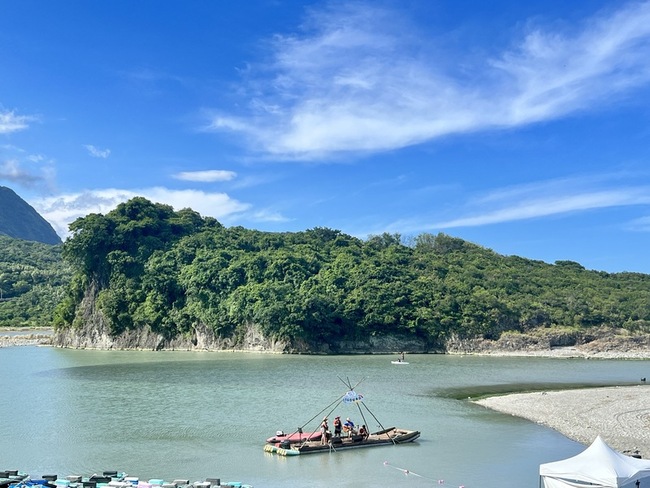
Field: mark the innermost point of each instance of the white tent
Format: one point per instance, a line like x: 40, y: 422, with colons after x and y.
x: 597, y: 466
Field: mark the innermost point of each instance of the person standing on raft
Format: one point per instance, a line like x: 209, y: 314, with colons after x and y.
x: 324, y: 432
x: 337, y: 427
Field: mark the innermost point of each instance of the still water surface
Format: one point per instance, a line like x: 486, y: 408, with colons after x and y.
x: 196, y: 415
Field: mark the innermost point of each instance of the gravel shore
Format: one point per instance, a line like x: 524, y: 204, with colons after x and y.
x: 25, y: 337
x: 620, y: 415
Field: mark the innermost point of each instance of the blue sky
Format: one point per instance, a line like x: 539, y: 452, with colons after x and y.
x: 523, y: 127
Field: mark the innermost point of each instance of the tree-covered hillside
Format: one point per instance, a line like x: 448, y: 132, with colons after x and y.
x: 146, y: 265
x: 33, y: 279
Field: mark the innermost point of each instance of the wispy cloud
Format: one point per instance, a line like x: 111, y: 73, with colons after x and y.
x: 352, y: 81
x: 267, y: 215
x: 554, y: 73
x: 153, y: 82
x: 63, y: 209
x: 97, y: 152
x: 641, y: 224
x: 543, y: 199
x: 544, y: 206
x: 208, y: 176
x: 12, y: 171
x: 557, y: 198
x: 20, y: 168
x: 10, y: 122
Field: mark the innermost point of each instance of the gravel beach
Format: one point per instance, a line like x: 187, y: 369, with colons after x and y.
x: 620, y: 415
x: 25, y: 337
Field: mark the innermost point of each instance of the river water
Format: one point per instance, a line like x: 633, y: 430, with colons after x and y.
x: 196, y: 415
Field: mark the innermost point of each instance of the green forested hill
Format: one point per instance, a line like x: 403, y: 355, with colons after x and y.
x: 33, y: 278
x: 146, y: 264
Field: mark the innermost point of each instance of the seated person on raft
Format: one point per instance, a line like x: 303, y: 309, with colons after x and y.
x: 364, y: 432
x: 348, y: 427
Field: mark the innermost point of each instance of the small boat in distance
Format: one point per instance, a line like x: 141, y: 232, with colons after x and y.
x: 400, y: 359
x: 348, y: 437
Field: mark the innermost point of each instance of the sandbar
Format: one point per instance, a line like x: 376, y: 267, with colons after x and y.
x: 620, y: 415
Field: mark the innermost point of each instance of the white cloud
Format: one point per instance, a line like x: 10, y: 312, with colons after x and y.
x: 267, y: 216
x: 10, y: 170
x: 61, y: 210
x: 10, y: 122
x: 554, y: 74
x: 96, y: 152
x: 206, y: 176
x: 545, y: 199
x: 356, y: 80
x: 552, y: 198
x: 641, y: 224
x: 35, y: 158
x: 14, y: 171
x: 544, y: 206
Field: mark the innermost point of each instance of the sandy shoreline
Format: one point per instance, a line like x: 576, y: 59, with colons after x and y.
x: 620, y: 415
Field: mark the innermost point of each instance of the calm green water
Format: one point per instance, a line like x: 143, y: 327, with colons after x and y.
x: 196, y: 415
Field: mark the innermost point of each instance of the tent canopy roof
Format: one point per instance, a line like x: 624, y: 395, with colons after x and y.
x: 600, y: 465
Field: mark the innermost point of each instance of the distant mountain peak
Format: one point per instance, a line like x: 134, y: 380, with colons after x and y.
x: 19, y: 220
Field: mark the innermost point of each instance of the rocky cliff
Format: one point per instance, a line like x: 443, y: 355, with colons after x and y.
x: 92, y: 332
x: 600, y: 343
x: 200, y: 339
x: 94, y: 335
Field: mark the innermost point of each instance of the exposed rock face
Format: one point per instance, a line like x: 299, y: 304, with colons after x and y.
x: 596, y: 343
x: 383, y: 345
x: 94, y: 335
x: 93, y: 332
